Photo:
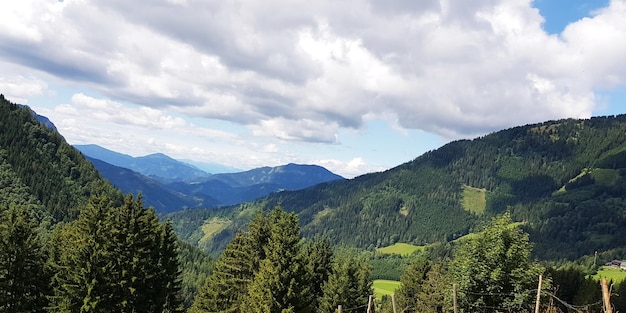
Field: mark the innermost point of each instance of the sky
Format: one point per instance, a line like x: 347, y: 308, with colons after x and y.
x: 356, y: 86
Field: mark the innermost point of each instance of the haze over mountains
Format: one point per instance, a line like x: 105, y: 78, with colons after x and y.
x: 171, y: 185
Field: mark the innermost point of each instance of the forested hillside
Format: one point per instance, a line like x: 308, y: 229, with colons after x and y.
x: 71, y: 242
x: 563, y: 179
x: 47, y: 171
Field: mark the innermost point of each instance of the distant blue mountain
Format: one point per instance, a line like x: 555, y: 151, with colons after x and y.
x: 213, y: 167
x: 41, y: 119
x: 155, y: 194
x: 157, y: 166
x: 170, y: 185
x: 234, y: 188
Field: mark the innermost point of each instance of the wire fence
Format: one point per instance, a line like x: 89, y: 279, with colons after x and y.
x: 550, y: 303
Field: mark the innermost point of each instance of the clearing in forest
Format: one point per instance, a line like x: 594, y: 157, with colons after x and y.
x: 403, y: 249
x: 474, y: 199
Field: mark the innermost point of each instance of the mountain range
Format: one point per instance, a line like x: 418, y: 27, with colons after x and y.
x: 171, y: 185
x: 564, y: 181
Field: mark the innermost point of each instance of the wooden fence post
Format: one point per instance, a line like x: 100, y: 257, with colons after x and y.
x: 339, y: 309
x: 606, y: 296
x: 538, y: 294
x: 369, y: 305
x: 393, y: 302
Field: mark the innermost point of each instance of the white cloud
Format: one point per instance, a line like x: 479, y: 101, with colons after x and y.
x: 19, y: 88
x: 302, y: 71
x: 349, y: 169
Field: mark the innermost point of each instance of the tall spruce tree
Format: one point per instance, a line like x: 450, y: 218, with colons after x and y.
x: 115, y: 260
x: 226, y: 287
x: 279, y: 284
x: 348, y: 285
x: 317, y: 257
x: 133, y: 247
x: 81, y: 262
x: 423, y: 287
x: 169, y: 264
x: 23, y: 280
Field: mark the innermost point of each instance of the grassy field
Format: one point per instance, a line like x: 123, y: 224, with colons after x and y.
x: 609, y: 273
x: 474, y: 199
x: 212, y: 227
x: 384, y: 287
x: 400, y: 248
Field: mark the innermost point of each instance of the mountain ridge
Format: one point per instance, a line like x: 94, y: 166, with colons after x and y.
x: 530, y: 171
x: 173, y: 193
x: 157, y: 166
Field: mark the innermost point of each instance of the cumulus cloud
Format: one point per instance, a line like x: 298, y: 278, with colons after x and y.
x: 19, y: 88
x: 348, y: 169
x: 300, y: 71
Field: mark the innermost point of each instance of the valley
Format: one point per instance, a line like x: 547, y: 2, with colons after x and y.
x: 556, y: 189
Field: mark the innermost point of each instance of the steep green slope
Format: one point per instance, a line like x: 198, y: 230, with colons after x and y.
x: 520, y: 169
x: 42, y: 167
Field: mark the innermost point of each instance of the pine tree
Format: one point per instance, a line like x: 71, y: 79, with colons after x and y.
x: 170, y: 271
x: 81, y: 262
x: 115, y: 260
x: 412, y: 284
x: 23, y: 280
x: 316, y: 256
x: 348, y: 285
x: 225, y: 288
x: 134, y: 248
x: 279, y: 284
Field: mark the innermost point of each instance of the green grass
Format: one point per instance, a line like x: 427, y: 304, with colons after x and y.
x: 614, y: 274
x: 317, y: 219
x: 474, y: 199
x: 400, y: 248
x: 213, y: 227
x: 384, y: 287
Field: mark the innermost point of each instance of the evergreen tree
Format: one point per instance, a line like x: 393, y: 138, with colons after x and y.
x: 226, y: 286
x: 348, y: 285
x: 81, y: 262
x: 170, y: 271
x: 134, y: 245
x: 115, y: 260
x: 424, y: 286
x: 23, y: 281
x: 279, y: 284
x: 317, y: 258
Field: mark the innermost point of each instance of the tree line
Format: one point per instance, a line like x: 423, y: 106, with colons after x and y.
x: 110, y: 259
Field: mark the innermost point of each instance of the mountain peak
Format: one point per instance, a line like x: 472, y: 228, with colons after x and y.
x: 158, y: 165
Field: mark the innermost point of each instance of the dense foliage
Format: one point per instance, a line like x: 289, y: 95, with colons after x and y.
x: 494, y: 270
x: 115, y: 259
x: 24, y: 283
x: 267, y: 268
x: 54, y: 173
x: 69, y: 241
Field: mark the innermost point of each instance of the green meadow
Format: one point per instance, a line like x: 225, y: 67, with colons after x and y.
x: 474, y: 199
x: 384, y: 287
x: 400, y: 248
x: 612, y: 274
